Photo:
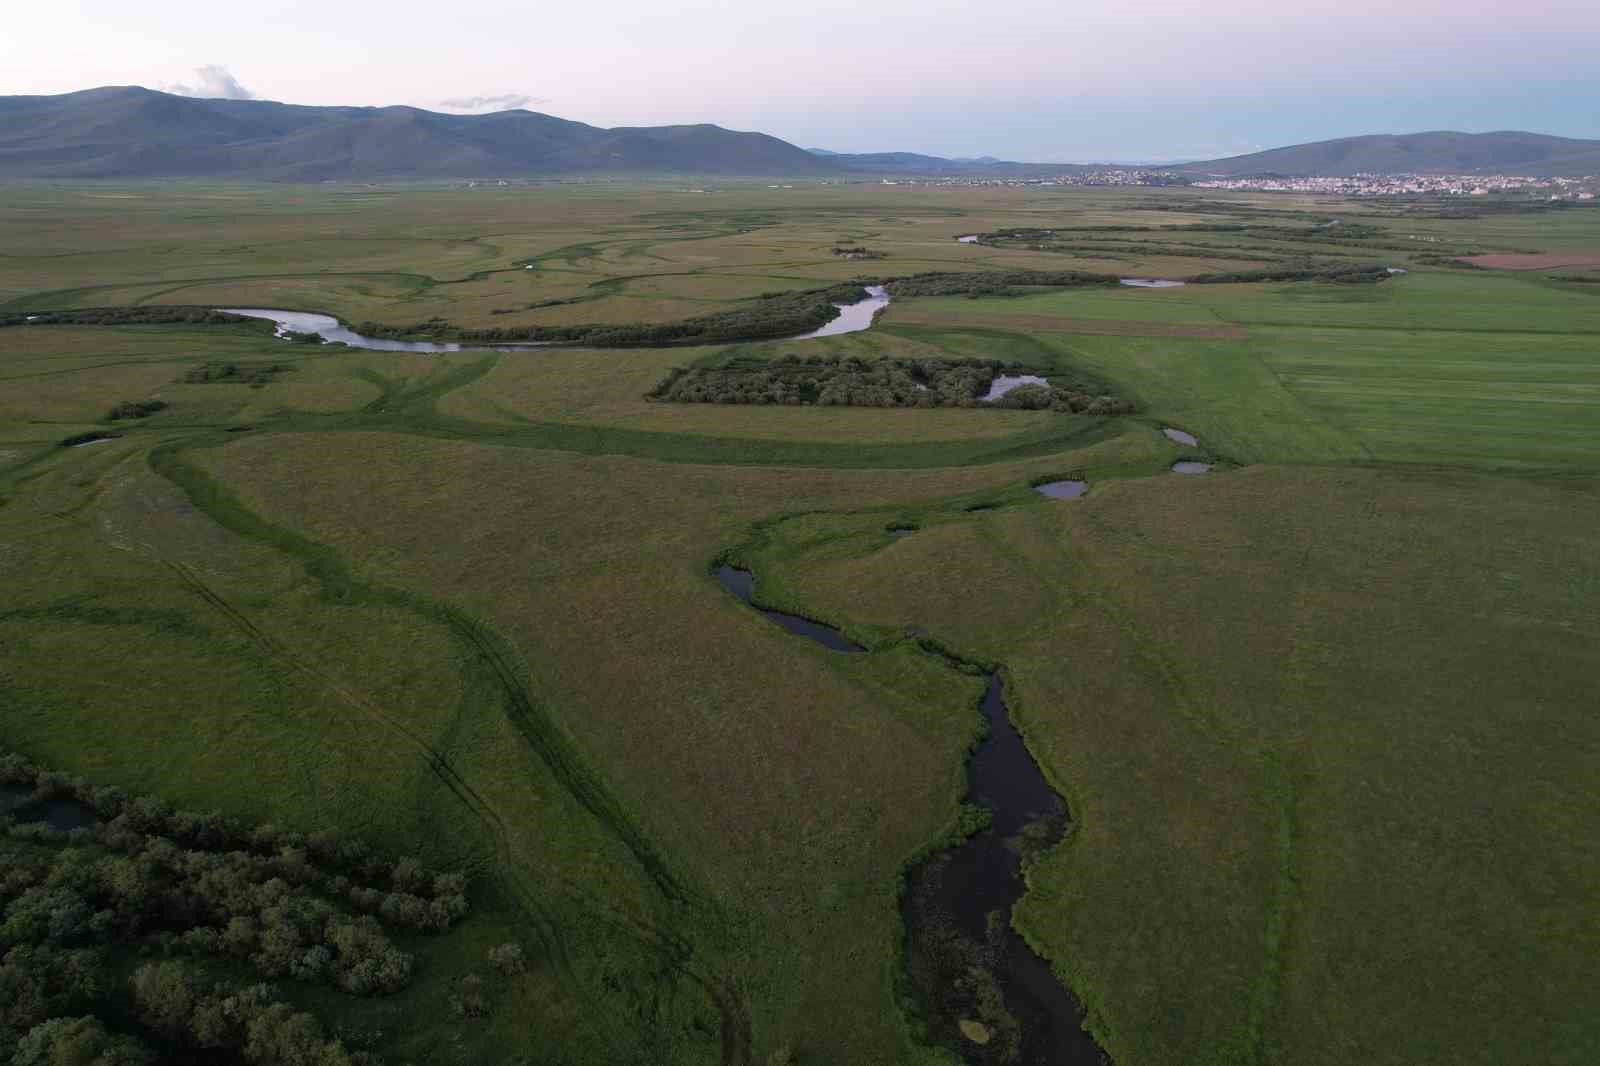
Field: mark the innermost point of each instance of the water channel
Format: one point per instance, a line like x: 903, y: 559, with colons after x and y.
x: 957, y: 903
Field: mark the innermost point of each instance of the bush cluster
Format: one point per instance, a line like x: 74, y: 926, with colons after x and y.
x: 123, y: 316
x: 835, y: 381
x: 147, y: 877
x: 248, y: 1022
x: 1347, y: 274
x: 253, y: 374
x: 135, y: 409
x: 293, y: 905
x: 992, y: 282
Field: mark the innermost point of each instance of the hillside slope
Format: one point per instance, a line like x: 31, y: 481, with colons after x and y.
x: 131, y: 132
x: 1439, y: 152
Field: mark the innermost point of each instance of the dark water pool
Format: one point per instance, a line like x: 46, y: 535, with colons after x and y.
x: 63, y: 815
x: 1062, y: 490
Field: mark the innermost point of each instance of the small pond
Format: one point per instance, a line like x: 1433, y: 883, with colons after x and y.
x: 853, y: 317
x: 1181, y: 437
x: 1062, y: 490
x: 1188, y: 467
x: 1151, y: 283
x: 971, y: 238
x: 1004, y: 383
x: 62, y: 815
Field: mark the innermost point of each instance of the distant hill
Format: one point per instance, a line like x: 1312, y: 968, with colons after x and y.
x: 131, y: 132
x: 914, y: 164
x: 1440, y: 152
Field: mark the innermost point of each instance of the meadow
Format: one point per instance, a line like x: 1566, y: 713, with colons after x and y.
x: 1321, y: 716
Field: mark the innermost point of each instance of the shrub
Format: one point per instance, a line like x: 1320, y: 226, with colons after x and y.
x: 508, y: 959
x: 135, y: 409
x: 468, y: 1000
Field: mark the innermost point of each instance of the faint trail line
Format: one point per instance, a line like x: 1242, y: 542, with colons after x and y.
x: 676, y: 951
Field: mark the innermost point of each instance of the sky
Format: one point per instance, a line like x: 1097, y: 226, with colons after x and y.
x: 1034, y: 80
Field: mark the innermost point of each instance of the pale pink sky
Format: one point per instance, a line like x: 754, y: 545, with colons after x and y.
x: 1034, y: 79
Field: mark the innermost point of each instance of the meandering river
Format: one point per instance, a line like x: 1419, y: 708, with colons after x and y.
x: 852, y: 318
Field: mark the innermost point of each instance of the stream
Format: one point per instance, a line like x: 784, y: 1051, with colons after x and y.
x: 852, y: 318
x: 988, y: 996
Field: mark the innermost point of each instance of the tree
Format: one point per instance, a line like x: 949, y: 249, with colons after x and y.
x: 78, y: 1042
x: 165, y: 995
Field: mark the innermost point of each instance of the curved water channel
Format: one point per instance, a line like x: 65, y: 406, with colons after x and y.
x: 852, y: 318
x: 957, y: 903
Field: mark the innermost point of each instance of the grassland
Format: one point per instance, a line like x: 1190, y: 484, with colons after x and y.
x: 1322, y: 718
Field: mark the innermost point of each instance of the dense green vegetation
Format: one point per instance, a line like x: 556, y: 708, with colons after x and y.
x: 256, y: 375
x: 1321, y: 716
x: 126, y: 316
x: 135, y: 409
x: 855, y: 382
x: 992, y: 282
x: 94, y: 878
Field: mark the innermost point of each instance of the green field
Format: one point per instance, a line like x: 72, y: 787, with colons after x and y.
x: 1323, y: 717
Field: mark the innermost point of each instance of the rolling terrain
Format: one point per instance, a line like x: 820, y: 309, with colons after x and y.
x: 1321, y: 716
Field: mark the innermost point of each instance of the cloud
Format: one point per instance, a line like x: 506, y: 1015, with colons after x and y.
x: 503, y: 102
x: 215, y: 84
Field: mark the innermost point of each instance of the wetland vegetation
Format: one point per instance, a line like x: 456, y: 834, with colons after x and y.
x: 1321, y: 717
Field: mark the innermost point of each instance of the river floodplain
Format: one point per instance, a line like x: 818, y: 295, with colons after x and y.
x: 1320, y: 718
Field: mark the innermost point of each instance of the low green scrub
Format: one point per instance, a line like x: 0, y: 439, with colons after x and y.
x: 1449, y: 261
x: 833, y: 381
x: 993, y: 282
x: 126, y: 316
x: 135, y: 409
x: 134, y: 876
x: 1309, y: 272
x: 253, y: 374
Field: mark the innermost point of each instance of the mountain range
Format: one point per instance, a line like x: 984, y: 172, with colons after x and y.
x: 1438, y: 152
x: 132, y: 132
